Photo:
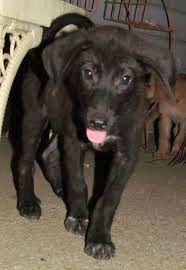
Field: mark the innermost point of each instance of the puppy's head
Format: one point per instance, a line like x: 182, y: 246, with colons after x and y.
x: 104, y: 72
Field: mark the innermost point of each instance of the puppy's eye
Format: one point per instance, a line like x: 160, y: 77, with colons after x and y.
x: 125, y: 79
x: 87, y: 73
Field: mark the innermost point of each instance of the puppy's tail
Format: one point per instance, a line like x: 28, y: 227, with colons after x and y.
x: 60, y: 22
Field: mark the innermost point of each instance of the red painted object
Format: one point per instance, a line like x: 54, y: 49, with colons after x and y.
x: 141, y: 14
x: 136, y: 14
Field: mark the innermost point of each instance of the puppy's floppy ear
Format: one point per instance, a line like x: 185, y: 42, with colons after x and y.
x: 162, y: 62
x: 58, y: 55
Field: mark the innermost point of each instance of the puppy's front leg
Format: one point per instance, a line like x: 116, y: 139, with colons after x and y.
x: 76, y: 189
x: 98, y: 241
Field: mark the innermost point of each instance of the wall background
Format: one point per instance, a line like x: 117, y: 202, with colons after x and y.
x: 157, y: 15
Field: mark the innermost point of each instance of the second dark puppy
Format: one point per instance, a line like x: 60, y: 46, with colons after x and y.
x: 94, y: 98
x: 26, y: 105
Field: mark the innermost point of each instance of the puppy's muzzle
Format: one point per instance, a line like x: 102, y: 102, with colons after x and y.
x: 97, y: 128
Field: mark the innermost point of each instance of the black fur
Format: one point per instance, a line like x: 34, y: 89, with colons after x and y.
x: 96, y: 84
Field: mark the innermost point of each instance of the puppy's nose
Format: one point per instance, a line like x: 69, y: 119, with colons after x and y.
x: 98, y: 124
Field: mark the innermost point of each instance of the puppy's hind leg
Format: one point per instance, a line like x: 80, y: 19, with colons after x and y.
x: 28, y: 204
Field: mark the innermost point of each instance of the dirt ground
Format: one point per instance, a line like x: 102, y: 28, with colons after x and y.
x: 149, y: 229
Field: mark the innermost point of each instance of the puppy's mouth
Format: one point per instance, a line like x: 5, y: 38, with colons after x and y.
x: 96, y: 136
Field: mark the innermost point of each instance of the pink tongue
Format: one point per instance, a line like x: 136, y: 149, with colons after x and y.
x: 95, y: 136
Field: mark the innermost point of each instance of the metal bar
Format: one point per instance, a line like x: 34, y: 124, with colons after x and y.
x: 144, y: 9
x: 168, y: 22
x: 92, y: 5
x: 126, y: 9
x: 119, y: 10
x: 78, y: 3
x: 105, y: 9
x: 85, y: 4
x: 127, y: 15
x: 135, y: 10
x: 172, y: 26
x: 129, y: 8
x: 112, y: 9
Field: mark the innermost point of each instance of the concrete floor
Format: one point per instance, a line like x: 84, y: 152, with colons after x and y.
x: 149, y: 229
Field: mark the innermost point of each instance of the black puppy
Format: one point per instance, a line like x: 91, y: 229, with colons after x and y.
x: 94, y: 98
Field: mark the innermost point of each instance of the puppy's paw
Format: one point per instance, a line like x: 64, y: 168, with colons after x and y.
x: 100, y: 251
x: 76, y: 225
x: 30, y: 209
